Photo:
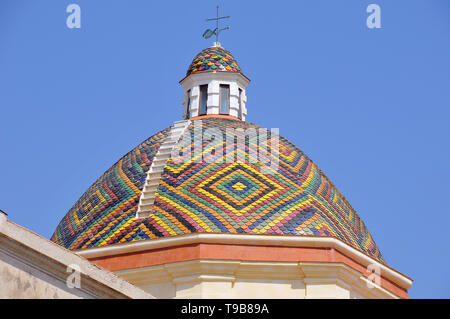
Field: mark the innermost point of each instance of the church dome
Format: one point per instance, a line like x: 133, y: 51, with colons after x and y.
x: 206, y: 192
x: 213, y: 59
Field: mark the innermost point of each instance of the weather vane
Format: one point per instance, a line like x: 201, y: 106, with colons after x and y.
x: 209, y: 33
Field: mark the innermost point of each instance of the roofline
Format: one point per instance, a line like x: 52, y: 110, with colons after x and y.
x: 216, y: 71
x: 249, y: 239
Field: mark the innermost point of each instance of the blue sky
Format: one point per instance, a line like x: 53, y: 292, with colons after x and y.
x: 370, y: 106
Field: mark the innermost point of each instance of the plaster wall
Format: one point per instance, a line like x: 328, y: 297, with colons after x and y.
x: 18, y: 279
x: 36, y: 268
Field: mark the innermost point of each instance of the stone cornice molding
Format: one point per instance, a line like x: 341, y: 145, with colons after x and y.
x: 197, y: 271
x: 247, y: 239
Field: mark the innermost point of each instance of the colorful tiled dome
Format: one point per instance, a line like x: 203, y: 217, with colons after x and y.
x: 213, y: 59
x: 208, y: 192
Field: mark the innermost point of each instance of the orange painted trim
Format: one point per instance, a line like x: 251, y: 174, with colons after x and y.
x: 236, y: 252
x: 222, y: 116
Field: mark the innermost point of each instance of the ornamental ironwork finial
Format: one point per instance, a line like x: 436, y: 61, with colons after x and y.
x: 209, y: 33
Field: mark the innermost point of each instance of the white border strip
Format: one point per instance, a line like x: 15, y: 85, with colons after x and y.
x: 172, y: 140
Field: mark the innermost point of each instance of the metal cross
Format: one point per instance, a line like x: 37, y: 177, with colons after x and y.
x: 208, y: 33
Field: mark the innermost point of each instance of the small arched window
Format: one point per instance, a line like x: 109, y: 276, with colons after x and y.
x: 240, y: 104
x: 224, y: 99
x: 188, y: 105
x: 203, y: 99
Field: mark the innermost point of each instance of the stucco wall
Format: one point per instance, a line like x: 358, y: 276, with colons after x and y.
x: 21, y: 280
x: 34, y: 267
